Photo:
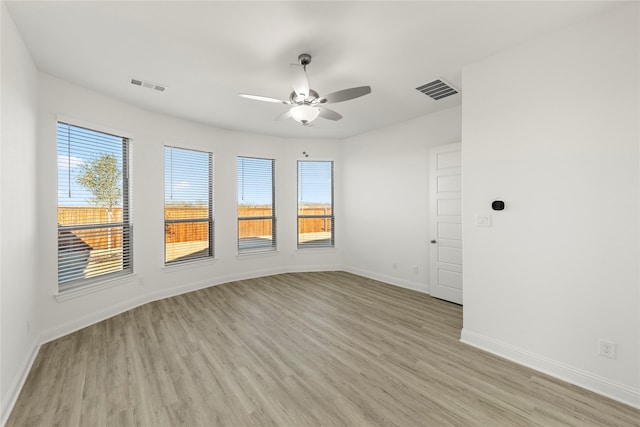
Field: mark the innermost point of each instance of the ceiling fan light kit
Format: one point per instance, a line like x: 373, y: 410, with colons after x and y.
x: 305, y: 102
x: 304, y: 113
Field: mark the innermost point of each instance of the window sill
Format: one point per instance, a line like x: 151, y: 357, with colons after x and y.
x: 188, y: 265
x: 69, y: 294
x: 316, y: 250
x: 253, y: 255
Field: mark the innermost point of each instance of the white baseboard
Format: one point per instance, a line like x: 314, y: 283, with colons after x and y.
x: 312, y: 268
x: 90, y: 319
x: 619, y: 392
x: 16, y: 385
x: 613, y: 390
x: 414, y: 286
x: 58, y: 331
x: 74, y: 325
x: 113, y: 310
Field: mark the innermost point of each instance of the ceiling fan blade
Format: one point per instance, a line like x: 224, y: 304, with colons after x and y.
x: 300, y: 80
x: 346, y: 94
x: 285, y: 115
x: 263, y: 98
x: 329, y: 114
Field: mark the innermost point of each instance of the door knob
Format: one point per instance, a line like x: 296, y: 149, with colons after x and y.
x: 433, y: 241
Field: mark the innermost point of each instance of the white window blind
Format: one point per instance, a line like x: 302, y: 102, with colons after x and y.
x: 315, y: 204
x: 188, y: 205
x: 256, y: 205
x: 94, y: 220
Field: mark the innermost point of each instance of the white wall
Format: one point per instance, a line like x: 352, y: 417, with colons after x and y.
x: 18, y: 210
x: 150, y: 132
x: 386, y: 189
x: 551, y: 127
x: 558, y: 269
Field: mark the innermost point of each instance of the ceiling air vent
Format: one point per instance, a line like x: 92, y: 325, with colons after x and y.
x: 437, y: 89
x: 149, y: 85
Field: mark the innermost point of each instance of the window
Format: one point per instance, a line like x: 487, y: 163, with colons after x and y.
x: 256, y: 205
x: 188, y: 205
x: 315, y: 204
x: 94, y: 220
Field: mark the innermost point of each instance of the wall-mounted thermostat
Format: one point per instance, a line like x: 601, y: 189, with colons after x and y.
x: 497, y: 205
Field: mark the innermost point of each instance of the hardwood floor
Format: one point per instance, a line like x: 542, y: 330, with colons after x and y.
x: 300, y: 349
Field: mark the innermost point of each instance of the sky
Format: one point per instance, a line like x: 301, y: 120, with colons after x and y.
x: 315, y: 182
x: 186, y: 178
x: 186, y: 172
x: 78, y: 146
x: 255, y: 181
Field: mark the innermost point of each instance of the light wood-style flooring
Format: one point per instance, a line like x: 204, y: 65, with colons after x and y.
x: 300, y: 349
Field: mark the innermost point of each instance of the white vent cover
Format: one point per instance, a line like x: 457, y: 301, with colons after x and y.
x: 148, y: 85
x: 437, y: 89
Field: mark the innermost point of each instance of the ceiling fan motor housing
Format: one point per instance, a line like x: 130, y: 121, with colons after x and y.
x: 312, y: 99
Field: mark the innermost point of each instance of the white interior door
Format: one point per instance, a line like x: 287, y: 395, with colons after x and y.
x: 445, y: 173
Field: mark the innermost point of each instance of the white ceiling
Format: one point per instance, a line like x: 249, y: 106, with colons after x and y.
x: 207, y: 51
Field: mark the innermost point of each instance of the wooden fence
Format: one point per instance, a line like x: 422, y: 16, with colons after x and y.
x: 100, y: 238
x: 187, y: 232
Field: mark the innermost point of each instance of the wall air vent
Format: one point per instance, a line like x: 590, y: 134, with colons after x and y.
x: 148, y: 85
x: 437, y: 89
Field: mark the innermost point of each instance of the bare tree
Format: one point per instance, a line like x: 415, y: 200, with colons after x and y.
x: 102, y: 176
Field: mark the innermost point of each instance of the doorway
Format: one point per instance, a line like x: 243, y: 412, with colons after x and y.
x: 445, y: 188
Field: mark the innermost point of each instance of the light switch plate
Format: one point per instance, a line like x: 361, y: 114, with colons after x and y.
x: 483, y: 220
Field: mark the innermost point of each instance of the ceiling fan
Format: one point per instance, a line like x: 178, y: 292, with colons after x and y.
x: 306, y: 104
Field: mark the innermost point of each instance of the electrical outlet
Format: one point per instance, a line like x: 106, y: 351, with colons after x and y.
x: 415, y: 269
x: 141, y: 281
x: 395, y: 265
x: 607, y: 349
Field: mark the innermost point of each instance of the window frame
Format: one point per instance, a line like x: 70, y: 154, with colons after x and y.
x: 331, y: 217
x: 273, y: 247
x: 79, y: 284
x: 210, y: 219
